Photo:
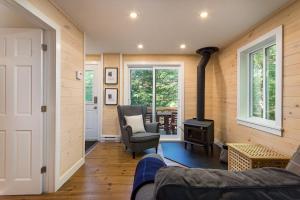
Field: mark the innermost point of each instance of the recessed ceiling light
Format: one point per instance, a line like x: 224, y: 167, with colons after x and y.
x: 140, y: 46
x: 133, y: 15
x: 182, y: 46
x: 203, y: 14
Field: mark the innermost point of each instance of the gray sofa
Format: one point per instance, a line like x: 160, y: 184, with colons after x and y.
x: 138, y: 142
x: 176, y: 183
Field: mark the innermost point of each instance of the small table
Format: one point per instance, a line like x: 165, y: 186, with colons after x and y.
x: 248, y: 156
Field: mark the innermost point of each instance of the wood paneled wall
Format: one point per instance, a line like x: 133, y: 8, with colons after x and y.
x: 110, y: 123
x: 93, y: 58
x: 72, y: 58
x: 223, y: 96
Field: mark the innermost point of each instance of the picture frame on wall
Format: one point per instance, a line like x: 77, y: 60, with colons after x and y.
x: 111, y: 96
x: 111, y: 75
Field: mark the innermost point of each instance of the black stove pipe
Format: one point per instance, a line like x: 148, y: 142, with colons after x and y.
x: 205, y: 53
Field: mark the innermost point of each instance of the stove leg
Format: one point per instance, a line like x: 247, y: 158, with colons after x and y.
x: 206, y: 148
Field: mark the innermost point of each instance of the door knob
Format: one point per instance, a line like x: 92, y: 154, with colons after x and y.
x: 95, y: 107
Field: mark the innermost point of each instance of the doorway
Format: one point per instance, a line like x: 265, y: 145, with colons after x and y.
x: 160, y: 88
x: 91, y: 105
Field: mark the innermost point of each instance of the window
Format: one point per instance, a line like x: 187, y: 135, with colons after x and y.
x: 89, y: 85
x: 260, y: 83
x: 157, y: 87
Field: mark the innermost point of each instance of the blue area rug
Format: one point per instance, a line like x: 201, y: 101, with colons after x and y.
x: 193, y: 158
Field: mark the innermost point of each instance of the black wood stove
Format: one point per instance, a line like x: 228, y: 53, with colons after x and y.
x: 200, y: 131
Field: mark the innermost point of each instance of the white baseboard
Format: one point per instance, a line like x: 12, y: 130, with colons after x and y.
x: 111, y: 138
x: 67, y: 175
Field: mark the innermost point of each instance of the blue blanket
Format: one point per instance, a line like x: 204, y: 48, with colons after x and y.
x: 145, y: 173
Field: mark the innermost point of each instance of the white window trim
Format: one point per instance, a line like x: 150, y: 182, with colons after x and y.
x: 269, y: 126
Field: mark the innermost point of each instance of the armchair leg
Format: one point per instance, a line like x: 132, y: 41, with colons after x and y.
x: 125, y: 147
x: 133, y: 155
x: 156, y: 150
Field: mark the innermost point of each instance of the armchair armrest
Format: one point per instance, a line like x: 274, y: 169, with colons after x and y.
x: 126, y: 132
x: 152, y: 127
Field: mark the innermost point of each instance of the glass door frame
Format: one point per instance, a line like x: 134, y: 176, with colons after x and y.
x: 153, y: 66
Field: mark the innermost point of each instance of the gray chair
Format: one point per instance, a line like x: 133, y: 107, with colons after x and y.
x: 138, y: 142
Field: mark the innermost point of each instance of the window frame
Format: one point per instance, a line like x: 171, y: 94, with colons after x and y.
x: 244, y: 83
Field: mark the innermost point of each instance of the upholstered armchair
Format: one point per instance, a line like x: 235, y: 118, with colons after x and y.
x: 138, y: 142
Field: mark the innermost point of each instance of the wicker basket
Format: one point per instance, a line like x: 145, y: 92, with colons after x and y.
x: 248, y: 156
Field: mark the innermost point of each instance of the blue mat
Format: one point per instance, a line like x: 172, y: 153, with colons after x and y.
x: 193, y: 158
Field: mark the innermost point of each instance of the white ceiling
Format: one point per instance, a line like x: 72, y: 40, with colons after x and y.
x: 163, y: 25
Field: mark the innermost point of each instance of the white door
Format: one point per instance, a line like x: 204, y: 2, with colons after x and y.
x: 91, y: 102
x: 20, y: 111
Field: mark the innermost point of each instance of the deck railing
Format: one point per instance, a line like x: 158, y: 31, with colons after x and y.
x: 167, y: 117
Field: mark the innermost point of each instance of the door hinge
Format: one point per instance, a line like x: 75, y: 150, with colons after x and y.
x: 43, y: 170
x: 43, y: 108
x: 44, y: 47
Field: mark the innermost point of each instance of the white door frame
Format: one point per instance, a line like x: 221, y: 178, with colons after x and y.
x: 171, y: 65
x: 52, y: 90
x: 99, y: 72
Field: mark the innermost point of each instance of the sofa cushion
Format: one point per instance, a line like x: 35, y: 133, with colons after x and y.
x: 145, y: 192
x: 136, y: 122
x: 142, y: 137
x: 191, y: 184
x: 294, y: 164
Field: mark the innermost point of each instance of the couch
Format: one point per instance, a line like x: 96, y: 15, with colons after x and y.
x: 177, y: 183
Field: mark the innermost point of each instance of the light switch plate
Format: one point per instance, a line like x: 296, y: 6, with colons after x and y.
x: 79, y: 75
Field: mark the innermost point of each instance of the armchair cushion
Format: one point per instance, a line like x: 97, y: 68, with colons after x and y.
x: 136, y: 122
x: 143, y: 137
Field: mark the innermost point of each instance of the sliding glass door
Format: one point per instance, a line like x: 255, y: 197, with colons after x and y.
x: 158, y: 88
x: 166, y: 100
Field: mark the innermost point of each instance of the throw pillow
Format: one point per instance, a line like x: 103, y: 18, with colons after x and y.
x: 294, y: 164
x: 136, y: 122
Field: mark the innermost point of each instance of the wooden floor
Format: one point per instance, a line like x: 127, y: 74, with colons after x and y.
x: 107, y: 174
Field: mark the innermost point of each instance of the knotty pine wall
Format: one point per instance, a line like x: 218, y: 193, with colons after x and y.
x: 72, y: 58
x: 110, y: 123
x: 223, y: 96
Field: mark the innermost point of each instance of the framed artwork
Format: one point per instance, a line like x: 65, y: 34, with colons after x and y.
x: 111, y: 96
x: 111, y: 75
